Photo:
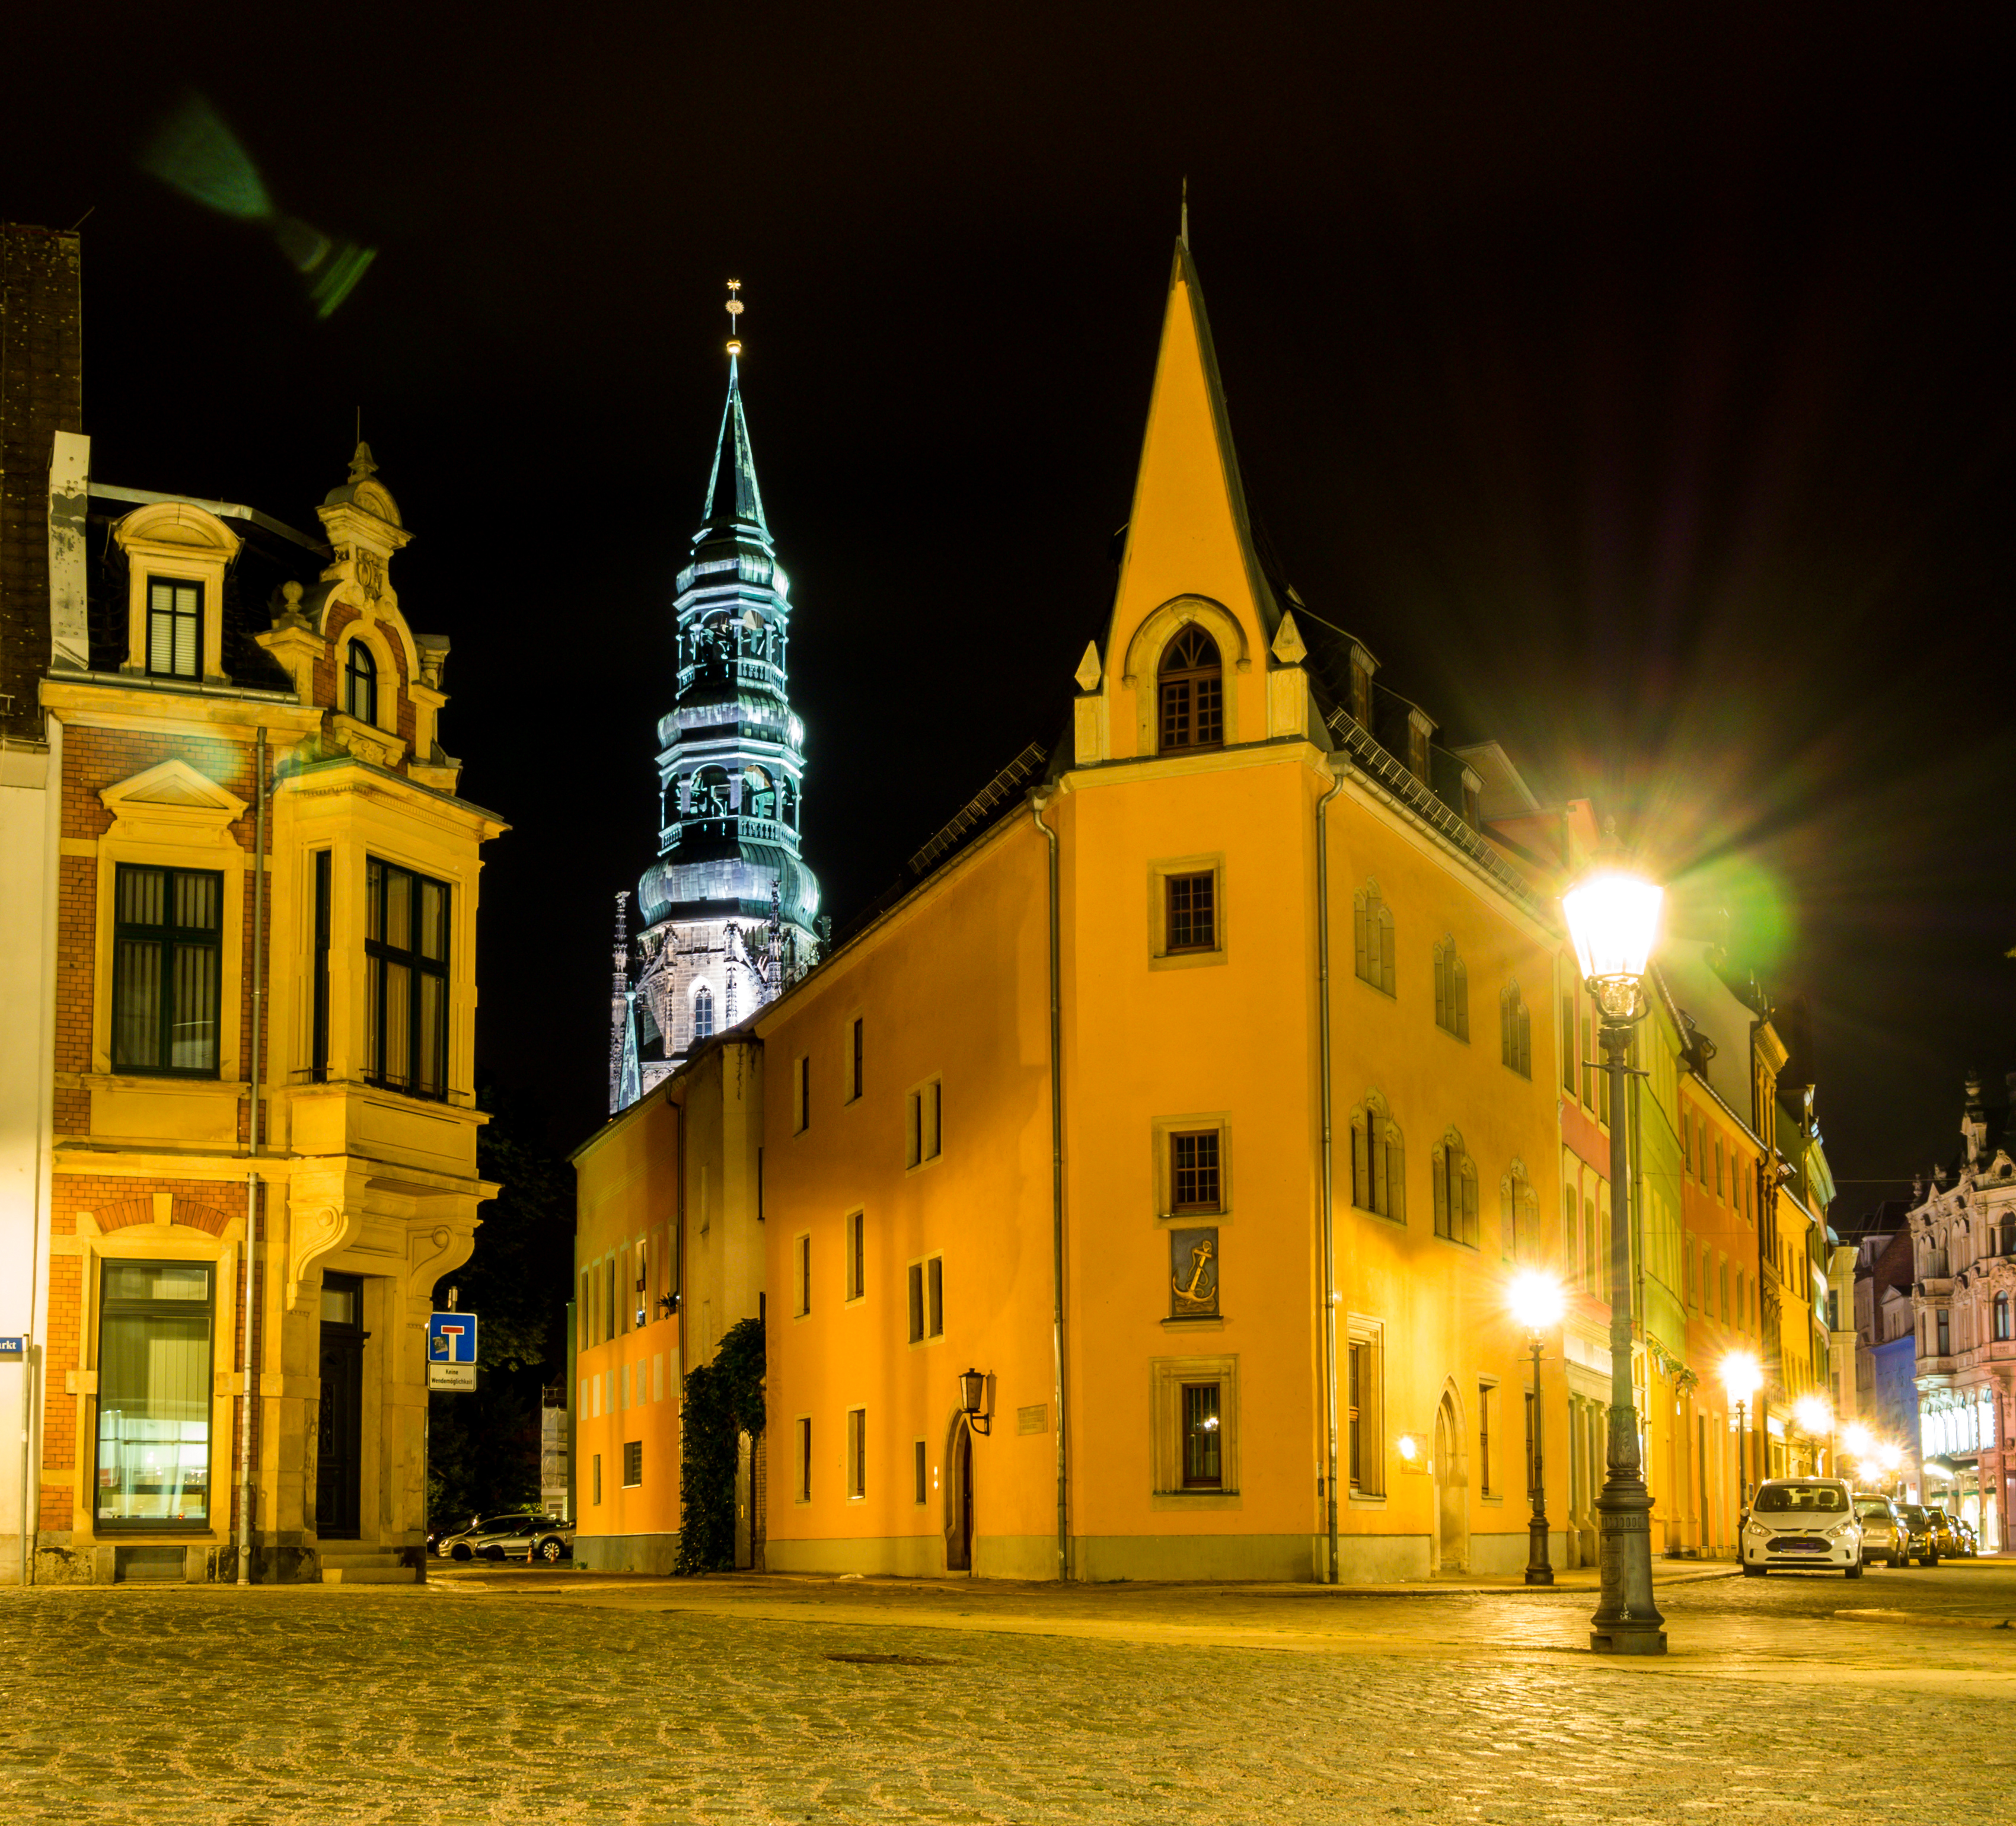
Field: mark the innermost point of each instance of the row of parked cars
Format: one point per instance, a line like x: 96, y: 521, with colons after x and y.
x: 520, y: 1534
x: 1819, y: 1522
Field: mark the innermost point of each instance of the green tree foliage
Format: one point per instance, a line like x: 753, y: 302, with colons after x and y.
x: 723, y: 1400
x: 483, y: 1449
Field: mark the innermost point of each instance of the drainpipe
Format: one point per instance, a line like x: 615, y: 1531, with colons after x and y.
x: 252, y: 1179
x: 1036, y: 805
x: 1327, y: 1225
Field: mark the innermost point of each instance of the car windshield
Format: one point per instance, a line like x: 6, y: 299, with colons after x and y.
x: 1912, y: 1513
x: 1792, y: 1499
x: 1880, y: 1511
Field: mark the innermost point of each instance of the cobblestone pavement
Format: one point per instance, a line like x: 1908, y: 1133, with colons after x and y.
x: 558, y: 1698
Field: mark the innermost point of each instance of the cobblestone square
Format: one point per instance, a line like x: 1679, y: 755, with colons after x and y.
x: 560, y: 1698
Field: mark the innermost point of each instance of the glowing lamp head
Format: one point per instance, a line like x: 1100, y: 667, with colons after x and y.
x: 972, y: 1391
x: 1409, y: 1447
x: 1813, y: 1414
x: 1858, y: 1442
x: 1614, y: 919
x: 1890, y: 1458
x: 1742, y: 1376
x: 1535, y: 1299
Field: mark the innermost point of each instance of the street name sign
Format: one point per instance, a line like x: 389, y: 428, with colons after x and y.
x: 13, y: 1350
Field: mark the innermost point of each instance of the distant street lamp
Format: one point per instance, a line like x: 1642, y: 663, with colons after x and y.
x: 1535, y: 1299
x: 1815, y: 1419
x: 1613, y: 917
x: 1857, y: 1443
x: 1742, y: 1376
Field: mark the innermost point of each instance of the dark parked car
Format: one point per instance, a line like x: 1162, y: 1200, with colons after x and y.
x: 1921, y: 1542
x: 1945, y: 1533
x: 1885, y: 1534
x: 1970, y: 1537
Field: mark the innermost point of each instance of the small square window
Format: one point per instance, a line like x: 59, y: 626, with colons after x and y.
x: 1193, y: 1171
x: 1192, y: 908
x: 633, y: 1463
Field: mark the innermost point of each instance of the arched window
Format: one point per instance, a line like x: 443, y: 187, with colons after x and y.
x: 1455, y: 1175
x: 1520, y: 1213
x: 708, y: 794
x: 1451, y: 990
x: 702, y: 1020
x: 1378, y: 1167
x: 1515, y: 1031
x: 759, y: 797
x: 360, y: 684
x: 2002, y: 1318
x: 1372, y: 937
x: 1193, y: 691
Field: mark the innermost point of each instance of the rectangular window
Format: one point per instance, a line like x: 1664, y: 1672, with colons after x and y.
x: 174, y: 628
x: 804, y: 1457
x: 923, y: 1474
x: 405, y: 995
x: 1354, y: 1413
x: 167, y: 935
x: 597, y: 1474
x: 1484, y: 1392
x: 926, y: 1126
x: 1944, y: 1320
x: 1724, y: 1293
x: 1687, y: 1270
x: 319, y: 1030
x: 1568, y: 1045
x: 633, y: 1463
x: 857, y: 1452
x: 1193, y: 1171
x: 853, y: 1080
x: 927, y: 1298
x: 154, y: 1395
x: 803, y: 1114
x: 801, y: 1250
x: 1720, y: 1189
x: 857, y: 1255
x: 1202, y: 1460
x: 1192, y: 912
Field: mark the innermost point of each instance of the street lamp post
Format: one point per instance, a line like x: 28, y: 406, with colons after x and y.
x: 1612, y: 917
x: 1815, y: 1414
x: 1536, y: 1304
x: 1742, y: 1375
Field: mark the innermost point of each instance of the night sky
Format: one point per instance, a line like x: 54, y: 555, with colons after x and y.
x: 1638, y: 390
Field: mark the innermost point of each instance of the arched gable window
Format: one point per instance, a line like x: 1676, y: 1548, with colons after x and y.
x: 1520, y: 1211
x: 1515, y: 1031
x: 1455, y: 1177
x: 1451, y: 990
x: 360, y: 684
x: 1378, y: 1162
x: 1372, y: 937
x: 1193, y: 691
x: 702, y: 1012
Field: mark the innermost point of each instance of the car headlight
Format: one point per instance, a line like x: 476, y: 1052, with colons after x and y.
x: 1757, y: 1530
x: 1840, y: 1530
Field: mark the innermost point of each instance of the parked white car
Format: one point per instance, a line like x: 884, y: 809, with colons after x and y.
x: 1802, y: 1522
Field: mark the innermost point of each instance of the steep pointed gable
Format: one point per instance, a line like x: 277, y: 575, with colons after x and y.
x: 1189, y: 541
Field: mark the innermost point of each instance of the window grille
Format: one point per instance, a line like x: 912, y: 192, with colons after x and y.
x: 1372, y: 937
x: 1193, y: 691
x: 1193, y: 1184
x: 1515, y: 1032
x: 1455, y: 1175
x: 1451, y: 990
x: 1191, y: 913
x: 702, y: 1014
x: 1202, y: 1458
x: 633, y: 1463
x: 406, y: 937
x: 1378, y: 1180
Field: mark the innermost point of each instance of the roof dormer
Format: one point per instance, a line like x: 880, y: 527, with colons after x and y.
x: 177, y: 554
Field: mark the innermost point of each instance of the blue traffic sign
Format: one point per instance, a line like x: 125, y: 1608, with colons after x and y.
x: 452, y: 1338
x: 13, y: 1350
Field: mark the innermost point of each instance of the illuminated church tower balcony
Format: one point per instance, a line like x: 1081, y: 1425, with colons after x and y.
x: 729, y: 908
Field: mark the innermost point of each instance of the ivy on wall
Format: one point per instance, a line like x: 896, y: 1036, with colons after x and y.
x: 723, y: 1400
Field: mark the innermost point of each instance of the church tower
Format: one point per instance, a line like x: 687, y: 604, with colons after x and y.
x: 729, y: 908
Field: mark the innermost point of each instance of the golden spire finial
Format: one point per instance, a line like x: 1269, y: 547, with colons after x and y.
x: 734, y: 312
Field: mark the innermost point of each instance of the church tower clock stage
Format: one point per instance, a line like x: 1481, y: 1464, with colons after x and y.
x: 729, y: 910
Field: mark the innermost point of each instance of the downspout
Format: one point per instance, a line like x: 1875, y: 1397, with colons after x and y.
x: 1327, y: 1225
x: 1056, y: 1192
x: 252, y: 1178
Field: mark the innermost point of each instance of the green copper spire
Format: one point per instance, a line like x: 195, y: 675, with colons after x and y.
x: 732, y: 492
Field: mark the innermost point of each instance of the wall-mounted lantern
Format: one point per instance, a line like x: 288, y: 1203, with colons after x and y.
x: 973, y: 1400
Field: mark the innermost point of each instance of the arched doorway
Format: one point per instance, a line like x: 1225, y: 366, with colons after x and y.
x: 1451, y: 1489
x: 959, y: 1498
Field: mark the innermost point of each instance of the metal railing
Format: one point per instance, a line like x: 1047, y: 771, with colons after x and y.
x: 1366, y: 754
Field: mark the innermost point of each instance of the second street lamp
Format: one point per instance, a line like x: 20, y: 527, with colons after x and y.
x: 1613, y: 916
x: 1742, y: 1376
x: 1535, y: 1299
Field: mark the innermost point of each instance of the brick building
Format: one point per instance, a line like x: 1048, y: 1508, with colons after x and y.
x: 265, y: 1061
